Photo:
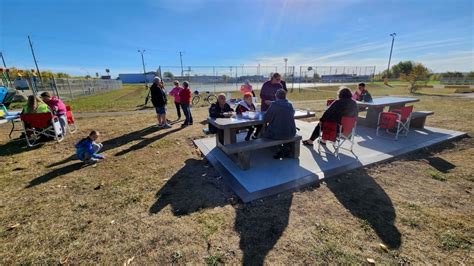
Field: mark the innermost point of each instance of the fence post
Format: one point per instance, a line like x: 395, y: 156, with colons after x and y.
x: 69, y: 87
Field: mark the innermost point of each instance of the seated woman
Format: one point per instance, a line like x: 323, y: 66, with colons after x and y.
x: 35, y: 105
x: 362, y: 94
x: 220, y: 109
x: 246, y: 105
x: 247, y: 88
x: 344, y: 106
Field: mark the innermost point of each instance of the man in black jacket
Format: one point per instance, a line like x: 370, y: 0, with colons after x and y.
x: 159, y: 100
x: 344, y: 106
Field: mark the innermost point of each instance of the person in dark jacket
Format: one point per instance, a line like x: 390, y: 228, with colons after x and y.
x: 269, y: 88
x: 220, y: 109
x: 344, y: 106
x: 280, y: 121
x: 362, y: 94
x: 246, y: 105
x: 159, y: 101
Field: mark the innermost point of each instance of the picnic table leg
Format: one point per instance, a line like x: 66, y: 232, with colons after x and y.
x: 13, y: 128
x: 295, y: 149
x: 372, y: 116
x: 230, y: 136
x: 243, y: 160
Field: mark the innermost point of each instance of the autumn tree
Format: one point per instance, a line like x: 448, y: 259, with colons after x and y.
x: 419, y: 72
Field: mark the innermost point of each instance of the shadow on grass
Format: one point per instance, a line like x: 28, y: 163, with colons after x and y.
x: 55, y: 173
x: 360, y: 194
x: 260, y: 224
x: 126, y: 138
x: 16, y: 147
x: 147, y: 141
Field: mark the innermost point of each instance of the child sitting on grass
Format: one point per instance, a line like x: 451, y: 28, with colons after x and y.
x: 87, y: 149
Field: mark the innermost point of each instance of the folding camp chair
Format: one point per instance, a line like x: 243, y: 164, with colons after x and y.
x: 70, y: 120
x: 329, y: 102
x: 37, y: 125
x: 397, y: 121
x: 338, y: 133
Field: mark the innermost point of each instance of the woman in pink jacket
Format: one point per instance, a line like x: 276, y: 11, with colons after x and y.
x: 177, y: 101
x: 58, y: 108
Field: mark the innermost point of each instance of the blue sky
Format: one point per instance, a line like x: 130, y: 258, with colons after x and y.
x: 85, y: 36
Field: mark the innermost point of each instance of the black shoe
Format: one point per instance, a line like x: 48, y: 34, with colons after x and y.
x: 321, y: 142
x: 247, y: 138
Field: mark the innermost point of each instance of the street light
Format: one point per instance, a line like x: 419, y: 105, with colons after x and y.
x: 144, y: 71
x: 390, y: 57
x: 286, y: 61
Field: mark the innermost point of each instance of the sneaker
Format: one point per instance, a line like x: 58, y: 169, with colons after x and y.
x: 166, y: 125
x: 159, y: 126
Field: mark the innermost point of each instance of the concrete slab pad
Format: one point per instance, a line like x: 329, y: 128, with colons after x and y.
x: 268, y: 176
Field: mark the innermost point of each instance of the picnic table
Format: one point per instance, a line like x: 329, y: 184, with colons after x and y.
x: 231, y: 125
x: 377, y: 106
x: 239, y: 152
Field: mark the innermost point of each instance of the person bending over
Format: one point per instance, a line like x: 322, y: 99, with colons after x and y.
x: 344, y: 106
x: 87, y: 148
x: 269, y: 88
x: 58, y: 108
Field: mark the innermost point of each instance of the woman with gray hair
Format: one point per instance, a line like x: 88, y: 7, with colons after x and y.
x: 159, y: 100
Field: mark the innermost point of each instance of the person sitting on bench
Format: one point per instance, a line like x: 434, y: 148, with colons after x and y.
x: 220, y: 109
x: 280, y: 122
x: 344, y: 106
x: 246, y: 105
x: 87, y: 149
x: 362, y: 95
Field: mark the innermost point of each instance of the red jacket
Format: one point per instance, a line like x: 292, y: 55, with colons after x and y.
x: 185, y: 96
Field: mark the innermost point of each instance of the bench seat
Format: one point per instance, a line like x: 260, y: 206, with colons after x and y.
x: 240, y: 151
x: 418, y: 118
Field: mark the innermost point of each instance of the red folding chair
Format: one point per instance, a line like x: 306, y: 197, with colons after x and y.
x: 70, y: 120
x: 397, y: 121
x: 329, y: 102
x: 338, y: 133
x: 37, y: 125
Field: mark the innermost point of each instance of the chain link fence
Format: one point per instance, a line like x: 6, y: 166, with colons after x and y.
x: 66, y: 88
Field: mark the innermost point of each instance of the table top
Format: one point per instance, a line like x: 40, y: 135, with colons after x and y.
x: 388, y: 101
x: 240, y: 121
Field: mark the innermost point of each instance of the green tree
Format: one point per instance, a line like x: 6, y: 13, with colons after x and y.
x: 403, y: 67
x: 61, y: 75
x: 168, y: 75
x: 452, y: 75
x: 419, y: 72
x: 470, y: 74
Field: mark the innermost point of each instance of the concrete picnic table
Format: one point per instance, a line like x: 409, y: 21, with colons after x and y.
x: 377, y: 106
x: 230, y: 126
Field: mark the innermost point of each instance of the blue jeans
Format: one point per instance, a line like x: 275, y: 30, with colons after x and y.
x: 187, y: 114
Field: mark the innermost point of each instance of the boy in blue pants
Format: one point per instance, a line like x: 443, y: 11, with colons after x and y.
x: 87, y: 149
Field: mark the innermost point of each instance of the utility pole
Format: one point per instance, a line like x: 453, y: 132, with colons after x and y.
x: 5, y: 65
x: 390, y: 57
x: 286, y: 69
x: 181, y: 60
x: 144, y: 71
x: 34, y: 58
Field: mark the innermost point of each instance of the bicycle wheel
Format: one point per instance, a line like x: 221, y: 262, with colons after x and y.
x: 196, y: 99
x: 211, y: 99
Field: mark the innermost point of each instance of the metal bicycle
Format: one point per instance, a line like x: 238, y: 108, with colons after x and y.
x: 209, y: 97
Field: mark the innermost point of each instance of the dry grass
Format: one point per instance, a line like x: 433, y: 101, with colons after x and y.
x: 155, y: 200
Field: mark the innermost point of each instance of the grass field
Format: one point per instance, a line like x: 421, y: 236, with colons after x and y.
x: 155, y: 200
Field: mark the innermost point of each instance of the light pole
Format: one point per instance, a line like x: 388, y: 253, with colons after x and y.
x: 181, y: 60
x: 286, y: 61
x: 390, y: 57
x: 144, y: 71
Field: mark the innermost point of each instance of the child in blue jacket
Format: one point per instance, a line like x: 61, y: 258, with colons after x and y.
x: 87, y: 149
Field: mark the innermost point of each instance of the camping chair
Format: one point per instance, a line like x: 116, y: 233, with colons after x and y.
x: 5, y: 99
x: 37, y: 125
x: 70, y: 120
x: 329, y: 102
x: 338, y: 133
x: 396, y: 120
